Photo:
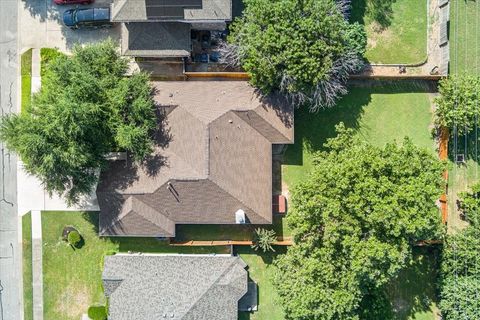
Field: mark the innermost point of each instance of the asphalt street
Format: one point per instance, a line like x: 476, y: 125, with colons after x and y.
x: 10, y: 275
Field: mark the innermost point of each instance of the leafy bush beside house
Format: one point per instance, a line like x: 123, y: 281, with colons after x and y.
x: 354, y: 221
x: 305, y: 49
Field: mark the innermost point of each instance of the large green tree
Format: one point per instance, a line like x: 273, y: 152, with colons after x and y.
x: 354, y: 221
x: 306, y: 49
x: 458, y: 104
x: 85, y: 109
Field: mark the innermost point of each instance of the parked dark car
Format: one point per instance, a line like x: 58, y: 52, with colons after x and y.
x: 73, y: 1
x: 87, y: 18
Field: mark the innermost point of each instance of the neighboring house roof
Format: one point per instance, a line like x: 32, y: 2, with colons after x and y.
x: 158, y: 39
x: 171, y: 10
x: 213, y: 158
x: 177, y: 287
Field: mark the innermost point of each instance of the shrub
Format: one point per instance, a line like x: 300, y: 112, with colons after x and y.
x: 264, y: 239
x: 74, y: 238
x: 97, y: 312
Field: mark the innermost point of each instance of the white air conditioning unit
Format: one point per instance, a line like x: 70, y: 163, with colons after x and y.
x: 240, y: 217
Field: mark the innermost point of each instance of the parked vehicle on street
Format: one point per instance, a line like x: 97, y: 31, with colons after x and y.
x: 87, y: 18
x: 60, y: 2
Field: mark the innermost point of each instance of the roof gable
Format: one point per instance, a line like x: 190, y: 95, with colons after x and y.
x: 154, y: 285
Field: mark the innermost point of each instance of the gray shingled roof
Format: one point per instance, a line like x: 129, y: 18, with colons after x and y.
x: 157, y: 39
x: 150, y: 287
x: 217, y: 160
x: 139, y: 10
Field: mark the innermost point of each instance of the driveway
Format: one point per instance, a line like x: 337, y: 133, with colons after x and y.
x: 41, y: 26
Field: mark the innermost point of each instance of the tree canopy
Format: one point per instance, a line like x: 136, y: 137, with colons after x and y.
x: 460, y: 267
x: 306, y: 49
x: 354, y: 221
x: 85, y: 109
x: 457, y: 105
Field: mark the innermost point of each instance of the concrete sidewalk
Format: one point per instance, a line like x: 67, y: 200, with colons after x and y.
x: 37, y: 267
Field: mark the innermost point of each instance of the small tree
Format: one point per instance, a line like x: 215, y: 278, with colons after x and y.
x: 264, y: 239
x: 458, y: 104
x: 97, y: 312
x: 74, y: 238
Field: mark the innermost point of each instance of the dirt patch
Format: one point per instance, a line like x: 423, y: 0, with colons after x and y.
x: 73, y: 301
x: 378, y: 33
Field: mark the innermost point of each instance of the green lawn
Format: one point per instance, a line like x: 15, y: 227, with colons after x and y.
x: 26, y: 73
x: 413, y: 294
x: 229, y: 232
x: 464, y: 36
x: 396, y: 30
x: 72, y: 278
x: 379, y: 113
x: 27, y: 266
x: 261, y: 271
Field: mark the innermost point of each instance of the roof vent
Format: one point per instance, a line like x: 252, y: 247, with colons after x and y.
x: 240, y: 216
x: 230, y: 121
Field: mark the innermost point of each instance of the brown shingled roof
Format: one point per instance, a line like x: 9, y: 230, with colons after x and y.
x: 217, y: 160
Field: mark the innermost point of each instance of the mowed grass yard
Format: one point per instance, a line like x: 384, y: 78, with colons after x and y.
x: 378, y: 112
x: 396, y: 32
x: 465, y: 36
x: 27, y: 267
x: 72, y: 278
x: 261, y: 271
x: 464, y: 58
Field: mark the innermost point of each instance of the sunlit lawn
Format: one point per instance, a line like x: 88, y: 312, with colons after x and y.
x: 464, y: 36
x: 380, y: 113
x: 398, y: 34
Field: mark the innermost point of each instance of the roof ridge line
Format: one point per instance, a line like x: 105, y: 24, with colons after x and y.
x: 213, y: 283
x: 253, y: 110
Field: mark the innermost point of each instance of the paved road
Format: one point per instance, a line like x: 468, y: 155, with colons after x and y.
x: 9, y: 249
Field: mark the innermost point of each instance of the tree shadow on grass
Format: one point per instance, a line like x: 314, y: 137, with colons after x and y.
x: 313, y: 129
x: 414, y: 290
x: 379, y: 11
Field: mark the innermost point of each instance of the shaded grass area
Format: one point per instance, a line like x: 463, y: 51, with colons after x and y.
x: 229, y: 232
x: 27, y: 266
x: 413, y: 293
x: 396, y: 30
x: 261, y: 271
x: 26, y: 74
x: 379, y: 112
x: 464, y: 33
x: 72, y: 278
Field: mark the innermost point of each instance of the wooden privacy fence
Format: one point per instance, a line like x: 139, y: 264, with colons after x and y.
x: 280, y: 242
x: 443, y: 155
